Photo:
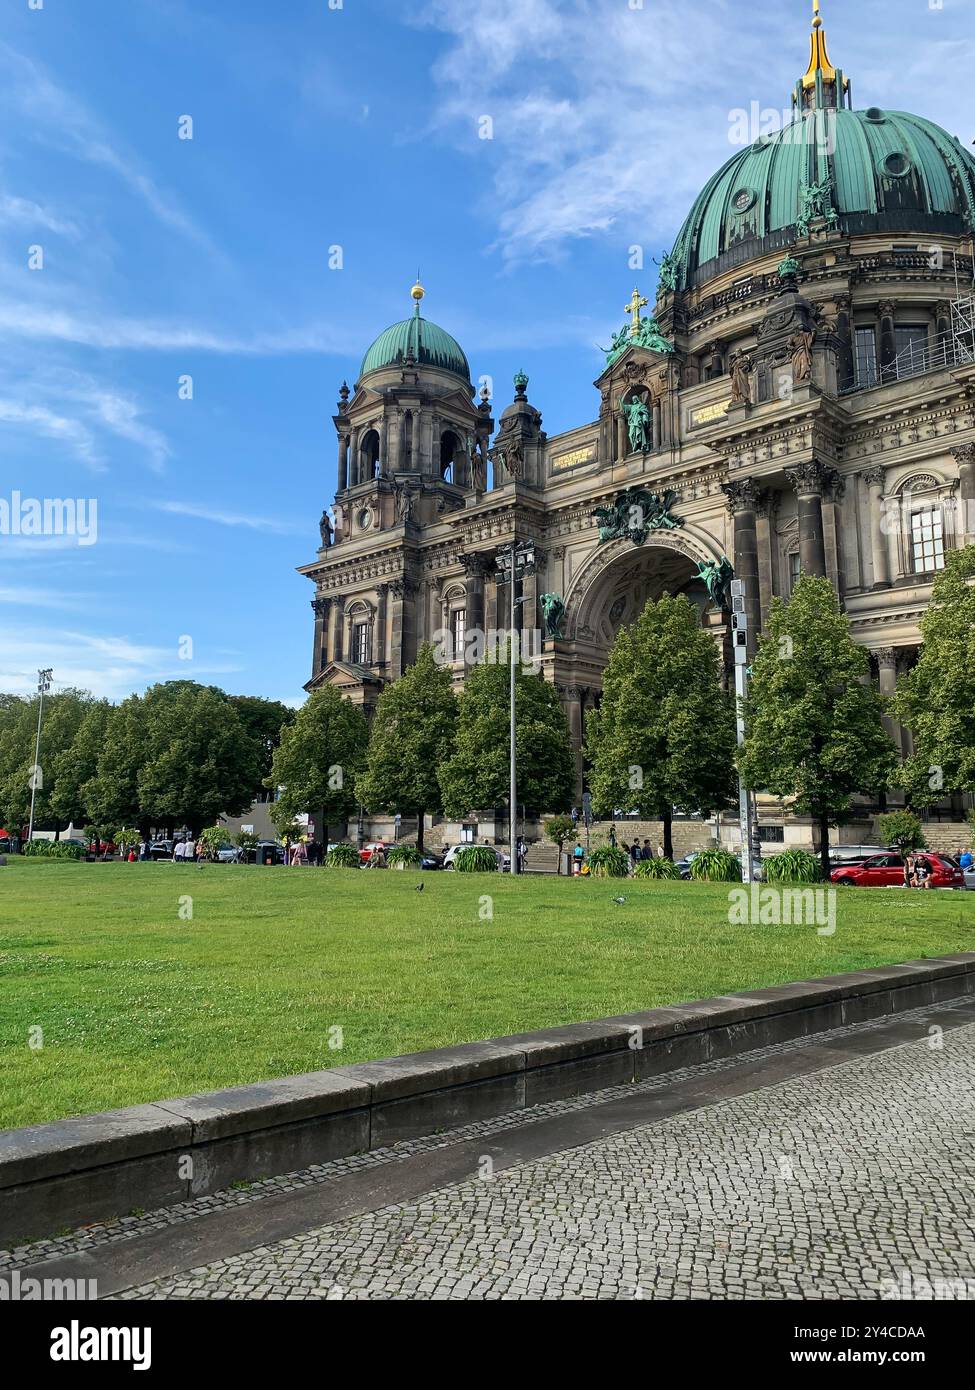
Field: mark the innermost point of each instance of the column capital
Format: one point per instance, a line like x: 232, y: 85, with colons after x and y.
x: 886, y: 657
x: 743, y: 495
x: 875, y: 477
x: 964, y: 454
x: 808, y: 479
x: 404, y: 587
x: 321, y: 605
x: 887, y: 308
x: 477, y: 563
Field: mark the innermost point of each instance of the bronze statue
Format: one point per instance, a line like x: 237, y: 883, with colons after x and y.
x: 326, y: 529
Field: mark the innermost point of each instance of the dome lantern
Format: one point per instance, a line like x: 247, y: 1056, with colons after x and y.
x: 822, y: 87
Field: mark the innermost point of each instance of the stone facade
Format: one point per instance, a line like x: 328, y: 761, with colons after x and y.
x: 783, y: 418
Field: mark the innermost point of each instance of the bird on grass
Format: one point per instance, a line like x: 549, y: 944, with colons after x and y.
x: 619, y: 901
x: 418, y: 888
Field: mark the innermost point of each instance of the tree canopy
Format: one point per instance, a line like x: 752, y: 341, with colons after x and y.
x: 663, y: 736
x: 320, y: 755
x: 814, y: 729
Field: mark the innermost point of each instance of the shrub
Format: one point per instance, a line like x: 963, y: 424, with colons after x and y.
x: 559, y: 829
x: 476, y: 859
x: 715, y: 866
x: 343, y: 857
x: 903, y: 829
x: 53, y: 849
x: 793, y: 866
x: 407, y: 855
x: 125, y: 839
x: 656, y: 868
x: 609, y: 862
x: 245, y: 839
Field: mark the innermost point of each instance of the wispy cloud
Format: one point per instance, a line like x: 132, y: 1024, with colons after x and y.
x: 221, y: 518
x: 38, y: 419
x: 23, y: 212
x: 58, y: 119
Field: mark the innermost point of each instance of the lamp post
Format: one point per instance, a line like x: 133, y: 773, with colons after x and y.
x: 513, y: 563
x: 43, y: 686
x: 739, y: 635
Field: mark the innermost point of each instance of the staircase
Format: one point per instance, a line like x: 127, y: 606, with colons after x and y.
x: 542, y: 858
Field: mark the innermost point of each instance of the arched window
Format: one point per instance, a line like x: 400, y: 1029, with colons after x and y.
x: 449, y: 452
x: 369, y: 456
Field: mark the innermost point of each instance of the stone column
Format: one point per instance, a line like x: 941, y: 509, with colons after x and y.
x: 887, y: 666
x: 393, y: 428
x: 384, y: 447
x: 743, y: 498
x: 888, y: 343
x: 476, y: 566
x: 964, y: 457
x: 319, y: 660
x: 571, y: 697
x: 354, y: 459
x: 657, y: 426
x: 834, y: 488
x: 379, y: 634
x: 530, y: 621
x: 808, y: 479
x: 845, y: 369
x: 768, y: 506
x: 875, y: 479
x: 403, y: 637
x: 343, y: 462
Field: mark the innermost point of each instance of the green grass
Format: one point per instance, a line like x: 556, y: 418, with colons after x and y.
x: 136, y: 1004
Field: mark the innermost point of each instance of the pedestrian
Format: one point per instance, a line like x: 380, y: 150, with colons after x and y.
x: 966, y: 860
x: 625, y: 848
x: 377, y: 860
x: 634, y: 854
x: 647, y: 851
x: 578, y: 854
x: 660, y: 851
x: 908, y: 870
x: 522, y: 854
x: 612, y: 836
x: 922, y: 872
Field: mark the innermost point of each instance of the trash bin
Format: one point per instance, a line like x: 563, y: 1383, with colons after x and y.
x: 267, y: 855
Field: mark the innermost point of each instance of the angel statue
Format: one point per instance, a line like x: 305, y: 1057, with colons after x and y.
x: 553, y: 611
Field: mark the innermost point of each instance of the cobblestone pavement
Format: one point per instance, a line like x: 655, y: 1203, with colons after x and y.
x: 856, y: 1182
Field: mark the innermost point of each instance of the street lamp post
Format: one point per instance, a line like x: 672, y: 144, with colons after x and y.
x: 43, y: 686
x: 739, y: 622
x: 519, y: 559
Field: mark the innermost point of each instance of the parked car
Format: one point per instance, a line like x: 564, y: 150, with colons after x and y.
x: 429, y: 860
x: 162, y: 849
x: 684, y: 866
x: 228, y: 854
x: 887, y: 871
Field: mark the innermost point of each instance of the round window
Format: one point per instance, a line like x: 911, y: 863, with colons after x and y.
x: 364, y: 519
x: 875, y: 114
x: 743, y: 199
x: 897, y: 165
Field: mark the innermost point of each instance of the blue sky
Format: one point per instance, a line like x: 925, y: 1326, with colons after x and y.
x: 314, y: 127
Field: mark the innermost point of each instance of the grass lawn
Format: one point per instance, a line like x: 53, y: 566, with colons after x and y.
x: 136, y: 1004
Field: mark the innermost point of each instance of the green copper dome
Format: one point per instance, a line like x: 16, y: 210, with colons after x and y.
x: 861, y: 171
x: 429, y: 345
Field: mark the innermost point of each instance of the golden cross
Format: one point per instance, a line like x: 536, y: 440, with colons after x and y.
x: 633, y: 309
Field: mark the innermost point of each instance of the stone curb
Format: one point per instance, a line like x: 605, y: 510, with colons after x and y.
x: 147, y: 1156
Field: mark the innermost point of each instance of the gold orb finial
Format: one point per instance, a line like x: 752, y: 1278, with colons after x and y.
x: 418, y: 291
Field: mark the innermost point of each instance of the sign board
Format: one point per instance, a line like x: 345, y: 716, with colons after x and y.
x: 708, y: 414
x: 572, y: 459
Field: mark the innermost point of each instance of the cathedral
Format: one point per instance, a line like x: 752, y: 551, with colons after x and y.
x: 798, y: 399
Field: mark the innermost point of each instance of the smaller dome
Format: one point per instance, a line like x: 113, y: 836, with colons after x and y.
x: 429, y: 345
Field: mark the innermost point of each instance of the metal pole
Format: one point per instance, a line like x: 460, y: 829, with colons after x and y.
x: 513, y: 784
x: 740, y: 638
x: 43, y: 682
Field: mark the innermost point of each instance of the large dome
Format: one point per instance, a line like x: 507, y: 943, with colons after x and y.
x: 429, y: 346
x: 887, y: 171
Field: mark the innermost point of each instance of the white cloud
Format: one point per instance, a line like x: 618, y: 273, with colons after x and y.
x: 221, y: 518
x: 23, y: 212
x: 39, y: 419
x: 56, y: 117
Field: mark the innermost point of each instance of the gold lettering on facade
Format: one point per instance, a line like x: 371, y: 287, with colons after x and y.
x: 707, y: 413
x: 584, y: 455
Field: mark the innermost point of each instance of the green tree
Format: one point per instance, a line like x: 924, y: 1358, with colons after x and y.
x: 664, y: 734
x: 412, y: 735
x: 63, y: 715
x: 318, y: 760
x: 936, y: 700
x: 813, y: 718
x: 558, y: 829
x: 77, y: 764
x: 476, y: 774
x: 263, y: 721
x: 903, y: 829
x: 200, y: 761
x: 112, y: 794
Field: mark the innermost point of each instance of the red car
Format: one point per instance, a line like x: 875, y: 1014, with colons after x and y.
x: 887, y: 871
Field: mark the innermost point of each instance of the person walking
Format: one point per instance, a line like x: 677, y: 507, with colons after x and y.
x: 634, y: 854
x: 578, y: 854
x: 660, y: 851
x: 966, y: 859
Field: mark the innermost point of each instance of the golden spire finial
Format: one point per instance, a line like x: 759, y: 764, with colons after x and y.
x: 818, y: 56
x: 817, y: 17
x: 417, y: 292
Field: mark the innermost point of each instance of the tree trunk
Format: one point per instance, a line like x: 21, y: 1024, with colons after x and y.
x: 824, y: 846
x: 419, y: 831
x: 668, y: 835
